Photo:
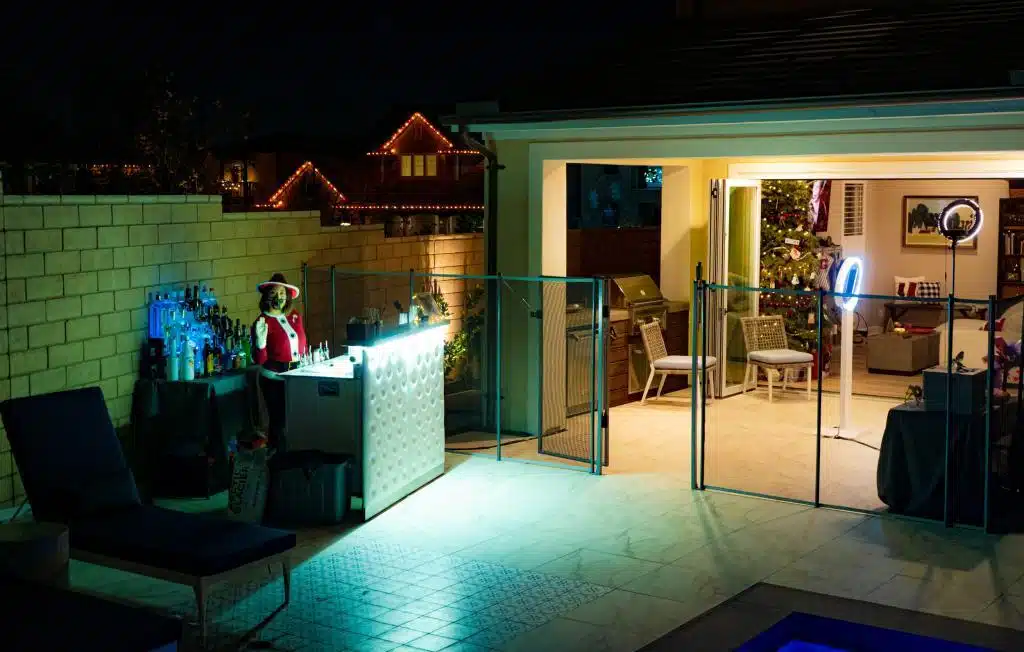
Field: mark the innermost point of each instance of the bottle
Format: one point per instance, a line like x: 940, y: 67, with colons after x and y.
x: 246, y: 349
x: 208, y: 356
x: 188, y: 362
x: 218, y: 358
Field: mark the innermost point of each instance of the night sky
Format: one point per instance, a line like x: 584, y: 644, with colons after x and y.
x: 79, y: 69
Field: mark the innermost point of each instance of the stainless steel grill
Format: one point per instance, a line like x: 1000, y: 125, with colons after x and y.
x: 639, y: 295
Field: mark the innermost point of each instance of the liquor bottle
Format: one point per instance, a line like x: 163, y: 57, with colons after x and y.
x: 246, y: 348
x: 187, y: 303
x: 218, y: 358
x: 188, y: 362
x: 195, y: 298
x: 207, y: 359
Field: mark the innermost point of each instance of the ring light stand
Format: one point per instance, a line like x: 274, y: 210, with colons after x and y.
x: 957, y: 233
x: 848, y: 282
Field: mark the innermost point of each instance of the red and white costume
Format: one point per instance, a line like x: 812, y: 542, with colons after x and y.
x: 286, y: 340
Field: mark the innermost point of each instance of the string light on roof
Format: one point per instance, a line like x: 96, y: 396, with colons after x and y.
x: 276, y: 200
x: 392, y: 151
x: 386, y: 148
x: 414, y: 207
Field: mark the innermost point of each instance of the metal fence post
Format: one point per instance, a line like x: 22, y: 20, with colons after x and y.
x: 595, y: 402
x: 704, y: 388
x: 305, y: 288
x: 412, y: 291
x: 947, y: 517
x: 334, y: 309
x: 817, y: 452
x: 694, y: 329
x: 990, y: 384
x: 497, y: 369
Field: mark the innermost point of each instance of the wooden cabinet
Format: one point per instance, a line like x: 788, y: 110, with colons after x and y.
x: 617, y: 378
x: 620, y: 341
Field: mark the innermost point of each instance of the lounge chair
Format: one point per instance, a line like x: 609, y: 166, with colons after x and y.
x: 75, y: 472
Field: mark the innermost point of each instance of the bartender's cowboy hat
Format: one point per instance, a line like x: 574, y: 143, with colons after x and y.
x: 278, y: 279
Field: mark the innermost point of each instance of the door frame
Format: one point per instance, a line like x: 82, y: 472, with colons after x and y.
x: 718, y: 269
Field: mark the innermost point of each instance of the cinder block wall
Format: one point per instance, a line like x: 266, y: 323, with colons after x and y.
x: 76, y: 273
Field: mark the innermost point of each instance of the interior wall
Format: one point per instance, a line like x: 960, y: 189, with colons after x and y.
x: 882, y: 249
x: 676, y: 224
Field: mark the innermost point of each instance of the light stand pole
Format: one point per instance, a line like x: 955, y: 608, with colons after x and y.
x: 956, y: 233
x: 848, y: 284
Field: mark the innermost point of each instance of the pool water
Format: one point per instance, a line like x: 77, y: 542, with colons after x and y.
x: 801, y: 632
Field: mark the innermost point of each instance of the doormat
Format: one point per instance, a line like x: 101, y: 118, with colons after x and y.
x: 769, y: 618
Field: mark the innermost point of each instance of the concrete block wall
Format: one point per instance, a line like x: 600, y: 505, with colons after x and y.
x: 76, y: 273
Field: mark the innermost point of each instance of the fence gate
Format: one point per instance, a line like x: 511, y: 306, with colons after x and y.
x: 572, y: 402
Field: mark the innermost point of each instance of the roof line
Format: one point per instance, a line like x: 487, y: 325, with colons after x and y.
x: 793, y: 104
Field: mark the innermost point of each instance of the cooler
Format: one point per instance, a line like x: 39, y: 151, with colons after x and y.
x: 308, y: 488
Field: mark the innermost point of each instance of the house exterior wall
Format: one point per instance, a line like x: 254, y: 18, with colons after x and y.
x: 702, y: 147
x: 77, y: 271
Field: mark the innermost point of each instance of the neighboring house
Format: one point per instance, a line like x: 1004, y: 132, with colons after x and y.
x: 916, y: 91
x: 417, y: 181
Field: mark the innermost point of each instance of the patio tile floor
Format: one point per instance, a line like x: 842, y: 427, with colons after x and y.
x: 496, y: 556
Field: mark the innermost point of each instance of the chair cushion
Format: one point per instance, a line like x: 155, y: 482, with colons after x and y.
x: 780, y: 356
x: 682, y: 362
x: 193, y: 544
x: 108, y: 493
x: 64, y: 443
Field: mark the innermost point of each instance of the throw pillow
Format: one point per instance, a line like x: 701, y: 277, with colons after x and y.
x: 929, y: 290
x: 906, y: 286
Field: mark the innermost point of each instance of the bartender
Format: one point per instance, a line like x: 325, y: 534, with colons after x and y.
x: 278, y: 340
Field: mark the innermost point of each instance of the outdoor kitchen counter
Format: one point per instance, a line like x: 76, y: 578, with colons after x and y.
x: 381, y: 403
x: 621, y: 315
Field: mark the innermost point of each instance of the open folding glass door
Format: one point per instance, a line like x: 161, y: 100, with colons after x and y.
x: 734, y: 243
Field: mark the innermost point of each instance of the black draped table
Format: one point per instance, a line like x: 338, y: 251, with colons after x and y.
x: 912, y: 461
x: 184, y: 429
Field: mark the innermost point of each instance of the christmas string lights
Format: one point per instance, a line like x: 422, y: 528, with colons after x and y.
x: 413, y: 207
x: 442, y: 152
x: 388, y: 147
x: 276, y: 200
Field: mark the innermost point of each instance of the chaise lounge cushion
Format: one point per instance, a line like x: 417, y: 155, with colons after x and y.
x: 780, y: 356
x: 192, y: 544
x: 68, y: 454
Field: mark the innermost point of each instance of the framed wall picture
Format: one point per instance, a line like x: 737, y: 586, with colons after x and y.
x: 921, y: 222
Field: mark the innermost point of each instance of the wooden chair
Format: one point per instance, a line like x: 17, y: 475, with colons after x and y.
x: 768, y: 348
x: 670, y: 365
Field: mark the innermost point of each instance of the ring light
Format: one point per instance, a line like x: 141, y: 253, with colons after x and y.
x: 955, y: 234
x: 848, y: 281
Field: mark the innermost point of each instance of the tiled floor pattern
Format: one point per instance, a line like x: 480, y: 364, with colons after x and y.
x: 527, y: 558
x: 383, y: 596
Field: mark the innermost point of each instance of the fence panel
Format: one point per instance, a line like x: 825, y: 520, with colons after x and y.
x: 760, y: 429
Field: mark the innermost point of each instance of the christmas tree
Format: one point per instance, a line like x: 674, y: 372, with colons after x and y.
x: 789, y: 258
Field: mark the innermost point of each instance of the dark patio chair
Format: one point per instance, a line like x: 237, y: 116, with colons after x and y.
x: 75, y: 472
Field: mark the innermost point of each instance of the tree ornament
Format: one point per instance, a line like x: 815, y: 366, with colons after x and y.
x: 795, y: 281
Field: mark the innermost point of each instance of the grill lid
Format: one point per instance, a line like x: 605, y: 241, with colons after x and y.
x: 634, y: 289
